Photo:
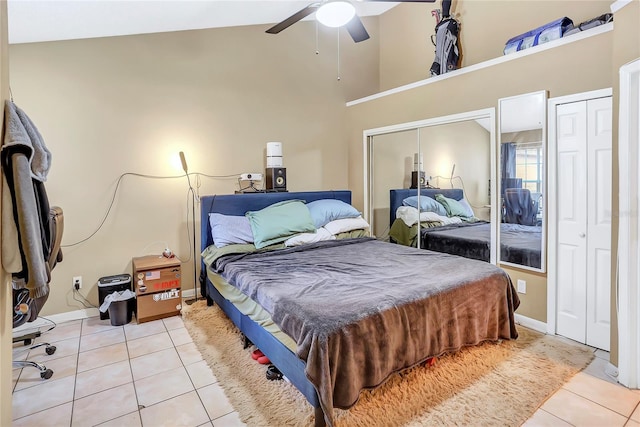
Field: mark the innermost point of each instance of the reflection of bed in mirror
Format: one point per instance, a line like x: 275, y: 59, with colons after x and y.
x: 520, y: 244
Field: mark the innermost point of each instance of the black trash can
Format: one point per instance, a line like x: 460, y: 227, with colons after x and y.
x: 110, y: 284
x: 120, y: 312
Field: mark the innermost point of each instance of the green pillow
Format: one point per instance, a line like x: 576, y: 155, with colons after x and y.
x: 452, y: 206
x: 278, y: 222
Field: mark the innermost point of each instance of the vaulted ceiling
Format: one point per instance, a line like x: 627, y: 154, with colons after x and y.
x: 48, y: 20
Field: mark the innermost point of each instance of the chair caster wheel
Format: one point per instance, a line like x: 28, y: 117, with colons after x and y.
x: 46, y: 374
x: 50, y: 349
x: 27, y: 342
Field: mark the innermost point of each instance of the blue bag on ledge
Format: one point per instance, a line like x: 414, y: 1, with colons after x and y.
x: 546, y: 33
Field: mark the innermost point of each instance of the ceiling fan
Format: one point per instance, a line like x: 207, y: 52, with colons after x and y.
x: 335, y: 13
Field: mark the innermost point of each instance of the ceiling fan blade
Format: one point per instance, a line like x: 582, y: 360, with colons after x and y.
x: 408, y: 1
x: 357, y: 30
x: 293, y: 19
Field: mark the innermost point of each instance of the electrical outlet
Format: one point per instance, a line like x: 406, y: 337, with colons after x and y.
x: 77, y: 282
x: 522, y: 286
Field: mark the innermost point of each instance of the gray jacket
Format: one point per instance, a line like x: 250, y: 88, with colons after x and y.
x: 25, y: 207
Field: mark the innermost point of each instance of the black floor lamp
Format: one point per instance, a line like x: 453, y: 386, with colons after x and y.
x: 193, y: 222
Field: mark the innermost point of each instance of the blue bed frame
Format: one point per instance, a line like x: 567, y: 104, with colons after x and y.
x: 286, y: 361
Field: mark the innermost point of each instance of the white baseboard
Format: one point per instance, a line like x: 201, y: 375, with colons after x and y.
x: 189, y: 293
x: 42, y: 321
x: 530, y: 323
x: 84, y: 313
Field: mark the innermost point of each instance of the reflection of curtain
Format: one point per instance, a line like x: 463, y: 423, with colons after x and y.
x: 508, y: 160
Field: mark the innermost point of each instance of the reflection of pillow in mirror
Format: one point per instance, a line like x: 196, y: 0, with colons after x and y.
x: 409, y: 215
x: 278, y: 222
x: 327, y: 210
x: 467, y: 207
x: 427, y: 204
x: 453, y: 207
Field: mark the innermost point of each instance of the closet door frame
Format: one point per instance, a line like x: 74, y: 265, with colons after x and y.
x: 628, y: 236
x: 552, y: 204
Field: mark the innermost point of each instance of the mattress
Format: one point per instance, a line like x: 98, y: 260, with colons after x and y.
x: 250, y: 308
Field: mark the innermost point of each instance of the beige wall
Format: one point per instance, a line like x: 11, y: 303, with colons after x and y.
x: 6, y: 323
x: 560, y: 71
x: 129, y: 104
x: 406, y: 50
x: 533, y: 304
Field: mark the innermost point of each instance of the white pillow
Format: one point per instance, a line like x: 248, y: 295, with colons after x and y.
x: 346, y: 224
x: 304, y: 238
x: 451, y: 220
x: 409, y: 215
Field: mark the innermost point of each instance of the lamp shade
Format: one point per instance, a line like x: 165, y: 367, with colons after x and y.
x: 335, y: 13
x: 183, y: 160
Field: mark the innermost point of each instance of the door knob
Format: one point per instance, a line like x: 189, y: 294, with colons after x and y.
x: 582, y: 234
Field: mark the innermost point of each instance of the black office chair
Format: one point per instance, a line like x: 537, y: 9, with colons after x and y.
x: 22, y: 311
x: 25, y: 308
x: 520, y: 208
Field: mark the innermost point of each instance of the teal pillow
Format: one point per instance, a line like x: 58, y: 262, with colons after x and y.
x: 278, y: 222
x: 427, y: 204
x: 453, y: 207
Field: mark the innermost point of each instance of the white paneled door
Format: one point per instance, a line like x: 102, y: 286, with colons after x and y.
x: 583, y: 250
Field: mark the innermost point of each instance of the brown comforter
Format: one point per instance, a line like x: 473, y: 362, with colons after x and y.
x: 361, y: 309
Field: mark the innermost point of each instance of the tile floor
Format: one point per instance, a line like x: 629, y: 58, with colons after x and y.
x: 152, y: 375
x: 590, y: 398
x: 149, y: 374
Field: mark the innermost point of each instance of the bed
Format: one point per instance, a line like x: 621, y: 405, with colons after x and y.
x: 519, y: 244
x: 358, y: 310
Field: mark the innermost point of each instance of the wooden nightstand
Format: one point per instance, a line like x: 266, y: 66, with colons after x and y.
x: 157, y: 284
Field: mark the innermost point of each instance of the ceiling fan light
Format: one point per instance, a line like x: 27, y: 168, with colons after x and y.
x: 335, y: 13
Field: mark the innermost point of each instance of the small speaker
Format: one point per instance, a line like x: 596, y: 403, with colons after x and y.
x: 276, y: 179
x: 414, y: 180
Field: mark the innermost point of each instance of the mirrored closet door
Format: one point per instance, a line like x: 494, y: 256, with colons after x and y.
x: 522, y: 131
x: 448, y: 158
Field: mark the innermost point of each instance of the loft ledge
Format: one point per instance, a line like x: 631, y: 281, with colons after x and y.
x: 489, y: 63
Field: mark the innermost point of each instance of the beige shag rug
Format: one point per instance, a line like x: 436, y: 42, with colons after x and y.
x: 491, y: 384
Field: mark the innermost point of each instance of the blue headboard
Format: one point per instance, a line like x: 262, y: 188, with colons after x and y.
x: 397, y: 196
x: 239, y: 204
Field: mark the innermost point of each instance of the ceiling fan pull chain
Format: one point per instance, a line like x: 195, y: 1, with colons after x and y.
x: 317, y: 47
x: 338, y: 32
